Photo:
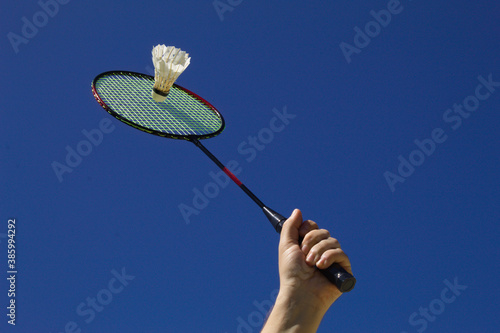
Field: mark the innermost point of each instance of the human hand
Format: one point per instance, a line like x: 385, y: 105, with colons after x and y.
x: 305, y: 294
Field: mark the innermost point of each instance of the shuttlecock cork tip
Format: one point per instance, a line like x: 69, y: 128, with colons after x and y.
x: 159, y: 96
x: 169, y: 63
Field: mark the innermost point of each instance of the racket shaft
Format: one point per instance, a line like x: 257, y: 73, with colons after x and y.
x: 229, y: 173
x: 335, y: 273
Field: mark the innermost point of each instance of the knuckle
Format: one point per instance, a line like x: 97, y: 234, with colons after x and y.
x: 338, y: 253
x: 312, y: 225
x: 335, y: 242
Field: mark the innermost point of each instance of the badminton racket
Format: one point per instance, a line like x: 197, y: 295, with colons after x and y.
x: 184, y: 116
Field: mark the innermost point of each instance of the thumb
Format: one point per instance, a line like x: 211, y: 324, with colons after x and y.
x: 290, y: 231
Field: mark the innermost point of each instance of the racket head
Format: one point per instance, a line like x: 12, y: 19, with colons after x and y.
x: 183, y: 115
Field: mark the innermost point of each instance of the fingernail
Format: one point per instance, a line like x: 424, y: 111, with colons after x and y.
x: 321, y: 262
x: 310, y: 258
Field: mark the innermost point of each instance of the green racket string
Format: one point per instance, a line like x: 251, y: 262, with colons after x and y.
x: 182, y: 114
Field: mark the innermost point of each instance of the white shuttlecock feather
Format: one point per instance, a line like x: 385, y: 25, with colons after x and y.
x: 169, y: 63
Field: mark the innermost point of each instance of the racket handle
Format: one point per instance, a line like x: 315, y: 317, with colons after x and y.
x: 336, y: 274
x: 340, y: 277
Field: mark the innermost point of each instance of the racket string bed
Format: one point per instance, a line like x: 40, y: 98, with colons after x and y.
x: 181, y: 116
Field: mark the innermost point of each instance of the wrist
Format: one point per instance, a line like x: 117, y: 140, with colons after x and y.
x: 295, y: 313
x: 302, y: 302
x: 308, y: 299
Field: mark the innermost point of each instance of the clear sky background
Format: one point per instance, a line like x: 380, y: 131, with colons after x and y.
x: 358, y: 99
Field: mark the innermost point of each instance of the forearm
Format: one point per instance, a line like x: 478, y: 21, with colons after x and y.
x: 292, y: 315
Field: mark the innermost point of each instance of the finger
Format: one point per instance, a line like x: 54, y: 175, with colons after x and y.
x: 312, y: 238
x: 306, y: 227
x: 332, y: 256
x: 290, y: 230
x: 317, y: 250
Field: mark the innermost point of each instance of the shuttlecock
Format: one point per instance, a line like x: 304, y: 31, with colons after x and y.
x: 169, y: 63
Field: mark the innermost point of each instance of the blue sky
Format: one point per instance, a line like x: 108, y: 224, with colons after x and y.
x: 390, y: 141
